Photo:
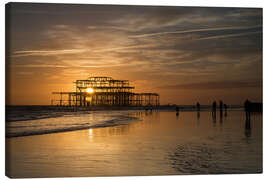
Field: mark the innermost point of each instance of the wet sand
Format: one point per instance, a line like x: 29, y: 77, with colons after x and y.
x: 161, y: 144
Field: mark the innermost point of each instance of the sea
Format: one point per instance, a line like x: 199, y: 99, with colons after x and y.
x: 55, y: 142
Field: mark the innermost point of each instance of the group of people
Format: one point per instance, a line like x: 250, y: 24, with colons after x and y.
x: 221, y: 106
x: 214, y: 108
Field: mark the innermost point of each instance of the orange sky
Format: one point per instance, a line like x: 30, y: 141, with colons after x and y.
x: 184, y: 54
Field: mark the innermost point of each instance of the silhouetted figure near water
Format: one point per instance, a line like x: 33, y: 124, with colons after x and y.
x: 225, y: 109
x: 247, y: 124
x: 221, y: 108
x: 198, y: 106
x: 177, y: 110
x: 247, y: 109
x: 214, y: 108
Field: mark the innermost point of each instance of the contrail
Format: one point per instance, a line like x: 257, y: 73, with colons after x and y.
x: 193, y: 30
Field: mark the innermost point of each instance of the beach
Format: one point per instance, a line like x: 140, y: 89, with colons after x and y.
x: 147, y: 143
x: 132, y: 90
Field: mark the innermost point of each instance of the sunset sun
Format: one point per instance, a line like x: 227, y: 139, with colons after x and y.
x: 90, y: 90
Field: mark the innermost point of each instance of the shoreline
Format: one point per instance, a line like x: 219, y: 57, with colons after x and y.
x: 36, y: 112
x: 121, y: 118
x: 113, y: 120
x: 109, y: 108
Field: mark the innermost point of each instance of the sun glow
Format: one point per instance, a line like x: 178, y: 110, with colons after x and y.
x: 90, y: 90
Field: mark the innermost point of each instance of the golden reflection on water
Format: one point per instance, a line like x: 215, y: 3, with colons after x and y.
x: 91, y: 136
x: 147, y: 147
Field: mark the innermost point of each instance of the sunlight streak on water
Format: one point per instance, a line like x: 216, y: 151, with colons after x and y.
x: 91, y: 136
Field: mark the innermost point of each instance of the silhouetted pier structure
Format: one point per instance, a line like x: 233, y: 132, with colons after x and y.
x: 104, y: 91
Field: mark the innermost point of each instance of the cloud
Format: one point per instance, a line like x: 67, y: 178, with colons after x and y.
x: 215, y: 85
x: 192, y: 31
x: 41, y: 66
x: 229, y: 35
x: 125, y: 48
x: 113, y: 28
x: 47, y: 52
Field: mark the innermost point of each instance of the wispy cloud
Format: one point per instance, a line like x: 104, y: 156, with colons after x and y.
x: 111, y: 28
x: 193, y: 30
x: 216, y: 85
x: 47, y: 52
x: 40, y: 66
x: 229, y: 35
x: 125, y: 47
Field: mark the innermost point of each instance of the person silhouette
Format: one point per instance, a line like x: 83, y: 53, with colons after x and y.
x: 221, y: 108
x: 177, y: 110
x: 198, y: 106
x: 214, y: 108
x: 247, y: 109
x: 247, y: 123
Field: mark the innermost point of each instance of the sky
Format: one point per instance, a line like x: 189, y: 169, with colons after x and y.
x: 186, y: 54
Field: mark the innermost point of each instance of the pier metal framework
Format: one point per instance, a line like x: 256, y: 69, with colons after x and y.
x: 104, y: 91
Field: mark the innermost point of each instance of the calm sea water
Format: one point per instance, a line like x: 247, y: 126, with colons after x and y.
x: 160, y: 143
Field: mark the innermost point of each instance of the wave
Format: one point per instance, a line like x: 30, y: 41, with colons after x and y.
x: 67, y: 123
x: 25, y: 113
